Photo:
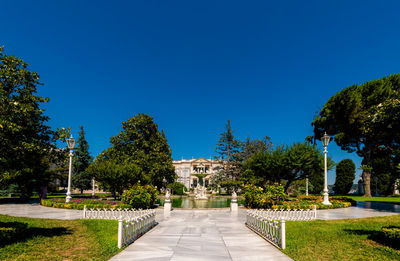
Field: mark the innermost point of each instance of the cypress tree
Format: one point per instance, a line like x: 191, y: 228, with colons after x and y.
x: 81, y: 179
x: 345, y: 174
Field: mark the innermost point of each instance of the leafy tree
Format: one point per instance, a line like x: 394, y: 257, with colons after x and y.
x: 249, y: 147
x: 290, y: 163
x: 264, y: 168
x: 383, y: 173
x: 114, y: 175
x: 25, y: 139
x: 345, y: 174
x: 81, y: 179
x: 364, y: 119
x: 306, y: 160
x: 140, y: 152
x: 177, y: 188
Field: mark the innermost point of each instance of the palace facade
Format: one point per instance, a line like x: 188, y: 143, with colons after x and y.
x: 189, y: 171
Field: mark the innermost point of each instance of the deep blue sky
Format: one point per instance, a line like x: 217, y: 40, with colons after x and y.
x: 267, y: 66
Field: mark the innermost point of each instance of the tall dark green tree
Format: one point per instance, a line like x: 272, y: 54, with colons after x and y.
x: 345, y: 174
x: 139, y: 152
x: 81, y: 179
x: 364, y: 119
x: 228, y: 148
x: 25, y: 137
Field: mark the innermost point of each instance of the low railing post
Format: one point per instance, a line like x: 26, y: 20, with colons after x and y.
x: 120, y: 233
x: 283, y: 234
x: 84, y: 211
x: 315, y: 211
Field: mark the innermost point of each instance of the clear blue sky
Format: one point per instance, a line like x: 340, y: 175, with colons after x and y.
x: 268, y: 66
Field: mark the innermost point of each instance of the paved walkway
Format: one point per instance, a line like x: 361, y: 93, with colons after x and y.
x: 37, y: 211
x: 363, y: 210
x: 201, y: 235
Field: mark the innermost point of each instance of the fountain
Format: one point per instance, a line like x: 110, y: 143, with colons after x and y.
x: 200, y: 192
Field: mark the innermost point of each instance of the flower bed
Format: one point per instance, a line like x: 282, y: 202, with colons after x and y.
x: 81, y: 202
x: 308, y: 202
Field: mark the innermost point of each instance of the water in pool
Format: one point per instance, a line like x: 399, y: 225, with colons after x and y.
x: 211, y: 202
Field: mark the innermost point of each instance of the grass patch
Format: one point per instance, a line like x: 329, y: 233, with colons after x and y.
x: 346, y: 239
x: 395, y: 200
x: 48, y: 239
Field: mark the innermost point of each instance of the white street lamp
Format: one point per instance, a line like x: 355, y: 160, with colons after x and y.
x: 71, y: 145
x: 325, y: 141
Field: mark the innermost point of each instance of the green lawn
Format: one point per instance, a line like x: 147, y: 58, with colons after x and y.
x: 395, y: 200
x: 48, y: 239
x: 346, y: 239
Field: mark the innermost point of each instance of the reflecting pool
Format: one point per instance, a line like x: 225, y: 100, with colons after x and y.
x: 211, y: 202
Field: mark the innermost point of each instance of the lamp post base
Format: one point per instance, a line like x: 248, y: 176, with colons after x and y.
x: 68, y: 198
x: 326, y: 200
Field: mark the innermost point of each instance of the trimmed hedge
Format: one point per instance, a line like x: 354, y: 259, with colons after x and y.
x: 80, y: 203
x: 392, y: 235
x: 11, y: 231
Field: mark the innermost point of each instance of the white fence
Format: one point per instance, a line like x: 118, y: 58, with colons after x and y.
x: 270, y: 224
x: 273, y: 231
x: 130, y: 230
x: 131, y: 223
x: 292, y: 215
x: 124, y: 214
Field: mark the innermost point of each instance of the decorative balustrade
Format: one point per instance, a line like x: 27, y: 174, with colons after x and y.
x: 291, y: 215
x: 273, y: 231
x: 124, y: 214
x: 130, y: 230
x: 131, y: 223
x: 270, y: 224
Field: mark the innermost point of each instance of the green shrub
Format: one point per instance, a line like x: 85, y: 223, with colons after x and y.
x: 140, y: 196
x: 177, y: 188
x: 392, y: 235
x: 230, y: 185
x: 11, y: 231
x: 257, y: 197
x: 81, y: 202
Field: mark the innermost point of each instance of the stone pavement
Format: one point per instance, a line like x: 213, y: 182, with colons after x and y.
x: 201, y: 235
x: 37, y: 211
x: 363, y: 210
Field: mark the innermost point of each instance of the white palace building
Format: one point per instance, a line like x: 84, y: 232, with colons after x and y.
x: 189, y: 169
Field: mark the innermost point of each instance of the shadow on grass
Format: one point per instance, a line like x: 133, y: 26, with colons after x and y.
x: 13, y: 232
x: 376, y: 236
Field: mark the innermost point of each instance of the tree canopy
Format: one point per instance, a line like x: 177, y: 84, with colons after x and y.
x: 364, y: 119
x: 140, y: 152
x: 289, y: 163
x: 25, y: 138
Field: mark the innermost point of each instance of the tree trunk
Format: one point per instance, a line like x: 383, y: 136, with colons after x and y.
x: 43, y: 193
x: 366, y: 175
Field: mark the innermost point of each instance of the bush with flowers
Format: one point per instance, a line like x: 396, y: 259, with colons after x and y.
x: 273, y: 196
x: 140, y: 196
x: 79, y: 203
x: 258, y: 197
